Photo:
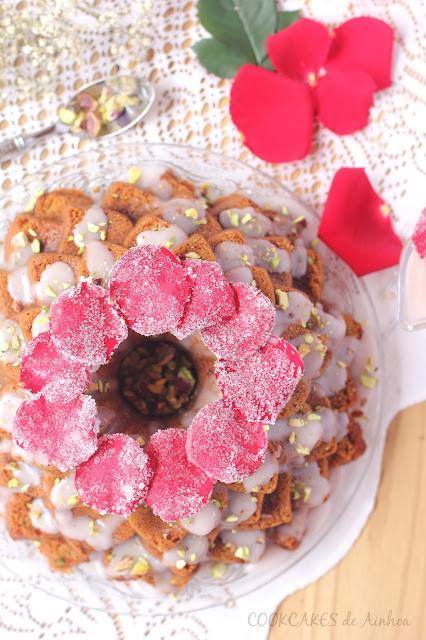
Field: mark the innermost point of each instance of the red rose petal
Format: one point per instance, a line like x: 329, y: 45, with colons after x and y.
x: 300, y: 49
x: 179, y: 489
x: 85, y: 326
x: 62, y: 432
x: 44, y: 368
x: 150, y: 287
x: 364, y: 44
x: 247, y: 330
x: 356, y: 224
x: 116, y: 478
x: 343, y: 100
x: 273, y: 113
x: 224, y: 444
x: 419, y: 236
x: 212, y: 298
x: 259, y: 386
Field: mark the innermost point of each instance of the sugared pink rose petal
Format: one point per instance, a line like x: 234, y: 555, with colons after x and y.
x: 116, y: 478
x: 150, y: 287
x: 260, y: 385
x: 44, y: 368
x: 247, y: 330
x: 212, y: 298
x: 224, y: 444
x: 63, y: 433
x: 419, y: 235
x: 179, y: 489
x: 85, y: 325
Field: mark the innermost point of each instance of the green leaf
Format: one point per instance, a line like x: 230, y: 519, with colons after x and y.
x: 286, y: 18
x: 217, y: 58
x: 241, y: 25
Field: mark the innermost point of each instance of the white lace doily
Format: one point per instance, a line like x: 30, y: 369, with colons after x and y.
x: 192, y: 108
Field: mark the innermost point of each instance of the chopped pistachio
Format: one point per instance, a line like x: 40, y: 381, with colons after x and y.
x: 141, y: 567
x: 133, y: 175
x: 73, y: 500
x: 275, y: 261
x: 193, y: 557
x: 93, y: 228
x: 341, y: 364
x: 191, y: 213
x: 180, y: 564
x: 245, y: 259
x: 370, y: 367
x: 234, y: 218
x: 303, y: 451
x: 231, y: 518
x: 306, y: 493
x: 218, y: 570
x: 243, y: 553
x: 246, y: 218
x: 282, y: 299
x: 308, y: 338
x: 298, y: 219
x: 35, y: 245
x: 67, y: 116
x: 368, y: 381
x: 13, y: 483
x: 296, y: 422
x: 314, y: 417
x: 170, y: 242
x: 314, y: 242
x: 49, y: 291
x: 102, y: 235
x: 192, y: 254
x: 125, y: 564
x: 92, y: 527
x: 304, y: 349
x: 292, y: 437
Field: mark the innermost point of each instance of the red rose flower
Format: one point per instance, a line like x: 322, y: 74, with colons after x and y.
x: 330, y: 75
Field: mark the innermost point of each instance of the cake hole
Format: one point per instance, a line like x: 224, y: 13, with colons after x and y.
x: 157, y: 378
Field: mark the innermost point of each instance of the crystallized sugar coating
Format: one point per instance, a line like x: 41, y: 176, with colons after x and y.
x: 247, y: 330
x: 419, y: 236
x: 63, y: 432
x: 116, y: 478
x: 44, y: 368
x: 212, y: 298
x: 179, y: 489
x: 224, y: 444
x: 150, y: 287
x: 85, y: 325
x: 260, y: 385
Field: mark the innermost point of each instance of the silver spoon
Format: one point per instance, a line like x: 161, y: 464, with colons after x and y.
x: 129, y: 117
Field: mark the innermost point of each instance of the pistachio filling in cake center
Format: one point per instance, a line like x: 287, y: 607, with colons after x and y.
x: 158, y: 378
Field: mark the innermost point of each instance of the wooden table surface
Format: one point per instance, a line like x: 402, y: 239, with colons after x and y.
x: 383, y: 576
